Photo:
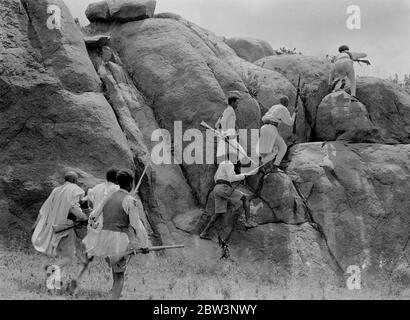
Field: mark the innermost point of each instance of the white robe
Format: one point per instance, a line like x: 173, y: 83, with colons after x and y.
x: 55, y: 212
x: 98, y: 196
x: 228, y: 124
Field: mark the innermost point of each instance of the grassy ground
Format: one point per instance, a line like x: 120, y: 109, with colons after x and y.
x: 22, y: 276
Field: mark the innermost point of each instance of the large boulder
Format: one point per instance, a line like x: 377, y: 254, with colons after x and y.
x: 98, y: 11
x: 291, y: 252
x: 388, y: 106
x: 165, y: 191
x: 276, y: 200
x: 250, y: 49
x: 200, y: 82
x: 340, y: 119
x: 131, y: 10
x: 358, y: 195
x: 52, y: 113
x: 202, y: 72
x: 314, y: 74
x: 121, y: 10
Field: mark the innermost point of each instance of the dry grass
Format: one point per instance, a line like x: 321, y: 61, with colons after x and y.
x: 22, y: 276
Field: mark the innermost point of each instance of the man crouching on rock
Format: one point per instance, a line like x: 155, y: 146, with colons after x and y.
x: 122, y: 229
x: 61, y: 208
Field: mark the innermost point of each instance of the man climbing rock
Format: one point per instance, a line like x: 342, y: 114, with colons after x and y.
x: 97, y: 197
x: 62, y: 207
x: 271, y: 143
x: 343, y: 67
x: 229, y: 144
x: 122, y: 229
x: 225, y: 194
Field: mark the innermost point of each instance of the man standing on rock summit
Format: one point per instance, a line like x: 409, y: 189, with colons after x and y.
x: 343, y: 67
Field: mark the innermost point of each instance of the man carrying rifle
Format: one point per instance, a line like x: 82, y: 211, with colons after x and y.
x: 226, y: 194
x: 122, y: 230
x: 270, y: 137
x: 227, y: 128
x: 61, y: 208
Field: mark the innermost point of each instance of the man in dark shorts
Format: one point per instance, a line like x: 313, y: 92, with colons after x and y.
x: 224, y: 193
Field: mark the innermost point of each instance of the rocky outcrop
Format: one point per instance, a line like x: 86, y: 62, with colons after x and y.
x: 52, y: 113
x: 388, y: 106
x: 340, y: 119
x: 164, y: 191
x: 98, y: 11
x: 381, y: 114
x: 294, y: 252
x: 358, y: 196
x: 314, y: 74
x: 96, y: 41
x: 120, y: 10
x: 208, y: 71
x: 250, y: 49
x: 337, y: 204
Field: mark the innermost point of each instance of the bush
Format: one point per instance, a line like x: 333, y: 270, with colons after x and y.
x: 283, y: 51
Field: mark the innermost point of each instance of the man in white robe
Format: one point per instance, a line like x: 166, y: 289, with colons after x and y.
x: 61, y: 207
x: 97, y: 197
x: 229, y: 144
x: 271, y: 145
x: 122, y: 229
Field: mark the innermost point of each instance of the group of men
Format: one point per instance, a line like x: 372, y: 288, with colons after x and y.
x: 114, y: 225
x: 271, y: 147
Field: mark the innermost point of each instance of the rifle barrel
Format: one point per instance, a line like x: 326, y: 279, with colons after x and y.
x: 131, y: 252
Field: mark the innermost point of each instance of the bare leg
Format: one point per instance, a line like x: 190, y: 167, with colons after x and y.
x: 247, y: 210
x: 210, y: 224
x: 118, y: 284
x: 352, y: 77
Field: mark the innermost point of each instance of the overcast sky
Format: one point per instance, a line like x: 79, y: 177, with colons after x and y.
x: 315, y: 27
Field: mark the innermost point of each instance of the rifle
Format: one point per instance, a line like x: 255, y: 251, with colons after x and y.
x: 296, y: 104
x: 64, y: 227
x: 140, y: 181
x: 129, y: 253
x: 206, y: 126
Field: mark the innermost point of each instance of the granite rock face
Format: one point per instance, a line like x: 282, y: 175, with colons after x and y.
x: 250, y: 49
x: 52, y: 112
x: 120, y: 10
x: 342, y: 201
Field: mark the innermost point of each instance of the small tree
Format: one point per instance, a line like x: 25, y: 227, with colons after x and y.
x: 252, y: 83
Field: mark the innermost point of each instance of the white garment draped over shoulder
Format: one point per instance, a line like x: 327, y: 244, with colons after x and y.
x: 53, y: 212
x: 111, y: 243
x: 98, y: 196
